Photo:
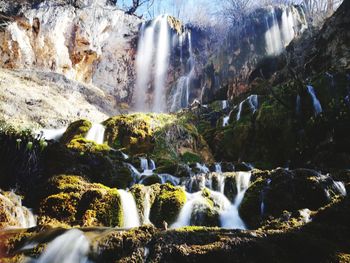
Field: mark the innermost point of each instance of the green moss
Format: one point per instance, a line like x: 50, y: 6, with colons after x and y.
x: 76, y: 130
x: 167, y: 204
x: 83, y: 145
x: 71, y: 200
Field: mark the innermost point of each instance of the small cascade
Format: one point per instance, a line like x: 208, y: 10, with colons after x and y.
x: 224, y: 104
x: 225, y: 121
x: 147, y: 207
x: 51, y: 134
x: 135, y: 173
x: 168, y: 178
x: 125, y: 156
x: 253, y: 104
x: 147, y: 167
x: 202, y: 168
x: 70, y: 247
x: 315, y: 101
x: 131, y: 216
x: 96, y: 133
x: 181, y: 96
x: 21, y: 216
x: 262, y: 205
x: 218, y: 168
x: 230, y: 218
x: 184, y: 218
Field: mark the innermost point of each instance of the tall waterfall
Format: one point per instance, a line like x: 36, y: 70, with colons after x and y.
x: 153, y: 46
x: 131, y: 216
x: 96, y: 133
x: 182, y: 93
x: 280, y: 33
x: 316, y: 103
x: 70, y: 247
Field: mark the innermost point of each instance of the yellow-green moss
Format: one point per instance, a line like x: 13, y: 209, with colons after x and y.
x: 84, y: 145
x: 75, y: 130
x: 167, y: 204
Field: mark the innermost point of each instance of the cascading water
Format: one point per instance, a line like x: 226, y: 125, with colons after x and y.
x: 230, y: 218
x: 70, y: 247
x: 316, y: 103
x: 153, y: 45
x: 280, y: 34
x: 96, y: 133
x: 147, y: 167
x: 182, y: 93
x: 224, y: 104
x: 162, y: 64
x: 253, y: 104
x: 131, y: 216
x: 225, y: 121
x: 273, y: 35
x: 21, y: 216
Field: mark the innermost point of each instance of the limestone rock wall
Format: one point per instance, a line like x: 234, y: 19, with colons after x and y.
x: 92, y: 43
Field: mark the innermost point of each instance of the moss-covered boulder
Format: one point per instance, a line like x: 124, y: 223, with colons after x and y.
x: 76, y: 130
x: 167, y: 204
x: 283, y: 190
x: 72, y: 200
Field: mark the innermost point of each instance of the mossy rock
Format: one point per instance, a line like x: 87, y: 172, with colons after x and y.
x: 189, y: 157
x: 72, y: 200
x: 76, y: 130
x: 84, y: 145
x: 152, y: 179
x: 230, y: 189
x: 167, y: 204
x: 282, y: 190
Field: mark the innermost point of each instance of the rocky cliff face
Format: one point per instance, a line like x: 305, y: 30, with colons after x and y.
x: 89, y: 41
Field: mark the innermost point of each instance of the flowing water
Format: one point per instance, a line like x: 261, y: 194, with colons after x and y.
x: 70, y: 247
x: 21, y: 216
x: 96, y: 133
x: 131, y: 216
x: 316, y: 103
x: 253, y: 104
x: 51, y: 134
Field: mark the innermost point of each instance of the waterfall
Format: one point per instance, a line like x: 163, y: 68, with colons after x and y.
x: 315, y: 101
x: 339, y: 187
x: 131, y: 216
x: 96, y: 133
x: 253, y: 104
x: 218, y: 168
x: 273, y: 35
x: 147, y: 169
x: 168, y: 178
x: 202, y: 168
x: 230, y: 218
x: 225, y: 121
x: 276, y: 37
x: 224, y: 104
x: 181, y: 96
x: 51, y: 134
x: 184, y: 218
x: 152, y: 61
x: 70, y: 247
x: 144, y: 57
x: 20, y: 214
x: 162, y: 63
x: 135, y: 173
